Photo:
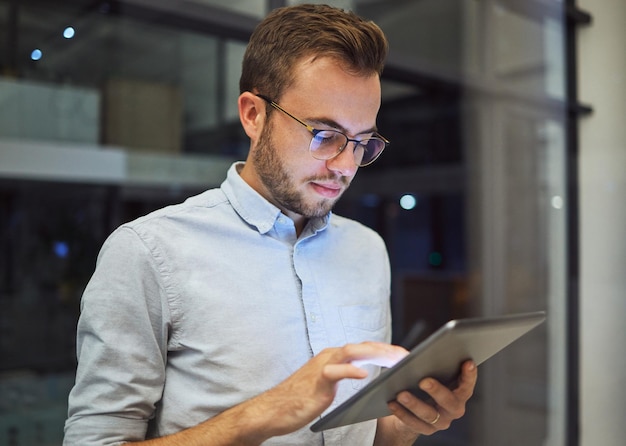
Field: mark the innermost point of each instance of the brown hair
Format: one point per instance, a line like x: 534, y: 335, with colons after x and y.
x: 289, y: 34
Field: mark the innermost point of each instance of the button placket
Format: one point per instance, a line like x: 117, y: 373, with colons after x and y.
x: 318, y: 338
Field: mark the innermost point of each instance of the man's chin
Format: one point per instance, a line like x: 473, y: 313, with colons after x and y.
x: 322, y: 209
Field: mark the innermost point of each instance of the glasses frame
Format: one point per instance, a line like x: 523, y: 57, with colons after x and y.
x: 315, y: 131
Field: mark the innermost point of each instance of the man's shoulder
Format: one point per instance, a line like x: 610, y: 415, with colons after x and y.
x: 165, y: 226
x: 207, y: 200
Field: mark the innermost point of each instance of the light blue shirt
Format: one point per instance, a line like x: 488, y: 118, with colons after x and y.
x: 199, y: 306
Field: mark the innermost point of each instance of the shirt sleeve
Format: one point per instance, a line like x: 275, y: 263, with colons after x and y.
x: 121, y: 345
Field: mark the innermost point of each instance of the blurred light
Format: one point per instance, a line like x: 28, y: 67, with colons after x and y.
x: 69, y: 32
x: 61, y: 249
x: 408, y: 202
x: 557, y: 202
x: 36, y: 54
x: 435, y: 259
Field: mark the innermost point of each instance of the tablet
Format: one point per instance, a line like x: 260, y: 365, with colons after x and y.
x: 439, y: 356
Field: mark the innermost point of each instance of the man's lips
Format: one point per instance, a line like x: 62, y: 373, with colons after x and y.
x: 327, y: 190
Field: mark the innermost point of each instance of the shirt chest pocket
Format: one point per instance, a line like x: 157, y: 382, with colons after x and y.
x: 365, y: 323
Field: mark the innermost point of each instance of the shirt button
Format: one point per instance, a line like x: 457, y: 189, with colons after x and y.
x: 313, y: 317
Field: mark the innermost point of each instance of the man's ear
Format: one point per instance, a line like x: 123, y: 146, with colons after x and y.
x: 251, y: 114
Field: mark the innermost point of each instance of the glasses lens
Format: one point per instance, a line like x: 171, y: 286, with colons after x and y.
x: 327, y: 143
x: 368, y: 150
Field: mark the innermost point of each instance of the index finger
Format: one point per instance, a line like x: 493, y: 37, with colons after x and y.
x: 467, y: 380
x: 446, y: 396
x: 376, y: 353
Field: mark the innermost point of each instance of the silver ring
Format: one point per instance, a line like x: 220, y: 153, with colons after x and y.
x: 436, y: 419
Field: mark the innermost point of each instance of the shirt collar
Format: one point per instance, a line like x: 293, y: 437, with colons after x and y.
x: 254, y: 208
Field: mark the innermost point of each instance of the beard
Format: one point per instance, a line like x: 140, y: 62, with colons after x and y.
x: 281, y: 185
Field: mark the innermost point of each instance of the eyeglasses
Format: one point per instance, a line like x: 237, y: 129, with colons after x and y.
x: 327, y: 144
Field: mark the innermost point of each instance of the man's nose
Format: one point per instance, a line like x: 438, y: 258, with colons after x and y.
x: 344, y: 163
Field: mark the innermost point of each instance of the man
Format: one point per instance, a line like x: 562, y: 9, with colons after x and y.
x: 241, y: 315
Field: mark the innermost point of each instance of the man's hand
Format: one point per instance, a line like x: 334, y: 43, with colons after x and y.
x: 290, y: 405
x: 304, y: 395
x: 413, y: 417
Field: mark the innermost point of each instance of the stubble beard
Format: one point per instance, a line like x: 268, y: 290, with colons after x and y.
x: 280, y: 184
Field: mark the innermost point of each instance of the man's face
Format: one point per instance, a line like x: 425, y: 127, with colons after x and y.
x: 325, y: 97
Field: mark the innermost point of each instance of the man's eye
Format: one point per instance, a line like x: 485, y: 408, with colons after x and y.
x: 327, y: 137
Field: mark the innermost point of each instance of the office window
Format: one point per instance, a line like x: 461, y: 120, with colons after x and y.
x: 470, y: 197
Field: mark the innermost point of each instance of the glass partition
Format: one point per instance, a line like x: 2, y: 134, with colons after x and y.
x: 470, y: 197
x: 95, y: 76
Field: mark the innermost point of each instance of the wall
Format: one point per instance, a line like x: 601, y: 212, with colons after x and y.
x: 602, y: 73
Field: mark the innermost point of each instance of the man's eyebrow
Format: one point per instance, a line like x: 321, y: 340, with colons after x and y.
x: 336, y: 126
